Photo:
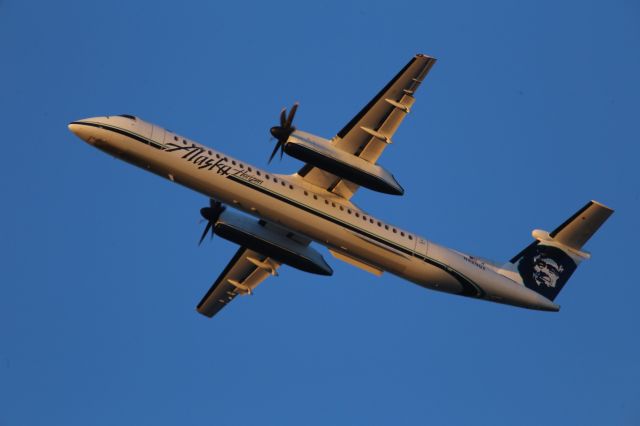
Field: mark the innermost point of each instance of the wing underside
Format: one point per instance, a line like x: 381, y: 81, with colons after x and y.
x: 246, y: 270
x: 371, y: 130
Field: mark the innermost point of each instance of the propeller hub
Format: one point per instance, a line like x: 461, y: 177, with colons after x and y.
x: 207, y: 214
x: 282, y: 133
x: 277, y: 132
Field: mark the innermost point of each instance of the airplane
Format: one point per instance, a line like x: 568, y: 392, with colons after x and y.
x: 275, y: 218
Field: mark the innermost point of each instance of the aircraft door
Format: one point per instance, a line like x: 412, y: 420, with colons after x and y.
x: 142, y: 128
x: 422, y: 246
x: 158, y: 134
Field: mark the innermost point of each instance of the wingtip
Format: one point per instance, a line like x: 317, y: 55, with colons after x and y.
x: 602, y: 205
x: 422, y: 55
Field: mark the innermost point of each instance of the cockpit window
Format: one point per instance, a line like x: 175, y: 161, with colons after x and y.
x: 127, y: 116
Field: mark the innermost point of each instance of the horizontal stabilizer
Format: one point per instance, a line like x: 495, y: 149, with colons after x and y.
x: 577, y: 230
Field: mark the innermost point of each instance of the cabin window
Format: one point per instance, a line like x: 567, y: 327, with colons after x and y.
x: 290, y: 186
x: 315, y: 197
x: 258, y: 172
x: 241, y: 166
x: 379, y: 224
x: 184, y: 141
x: 175, y: 138
x: 402, y: 233
x: 283, y: 184
x: 395, y: 231
x: 333, y: 204
x: 386, y: 227
x: 306, y: 193
x: 266, y: 177
x: 341, y: 208
x: 210, y: 153
x: 275, y: 180
x: 357, y: 214
x: 349, y: 211
x: 217, y: 155
x: 249, y: 168
x: 326, y: 202
x: 371, y: 220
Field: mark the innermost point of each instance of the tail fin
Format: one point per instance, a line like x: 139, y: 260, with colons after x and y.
x: 545, y: 265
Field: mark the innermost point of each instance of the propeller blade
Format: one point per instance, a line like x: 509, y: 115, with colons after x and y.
x: 292, y: 114
x: 275, y: 150
x: 204, y: 234
x: 283, y: 117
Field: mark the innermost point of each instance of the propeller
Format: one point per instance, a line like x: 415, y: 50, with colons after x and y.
x: 211, y: 214
x: 284, y: 130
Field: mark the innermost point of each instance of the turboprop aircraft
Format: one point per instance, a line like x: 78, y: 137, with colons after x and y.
x: 275, y: 218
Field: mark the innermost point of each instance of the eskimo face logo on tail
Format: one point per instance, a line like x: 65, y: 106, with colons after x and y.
x: 545, y: 269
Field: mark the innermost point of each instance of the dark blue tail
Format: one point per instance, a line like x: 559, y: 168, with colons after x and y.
x: 547, y: 264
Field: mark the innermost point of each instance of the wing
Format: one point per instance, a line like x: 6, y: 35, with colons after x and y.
x: 371, y: 130
x: 244, y: 272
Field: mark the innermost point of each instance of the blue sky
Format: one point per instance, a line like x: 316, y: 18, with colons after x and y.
x: 531, y: 111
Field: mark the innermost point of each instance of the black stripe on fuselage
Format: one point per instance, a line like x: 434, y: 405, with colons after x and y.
x: 123, y: 132
x: 469, y: 289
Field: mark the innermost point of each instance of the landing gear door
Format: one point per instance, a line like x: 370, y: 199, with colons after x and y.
x: 421, y: 247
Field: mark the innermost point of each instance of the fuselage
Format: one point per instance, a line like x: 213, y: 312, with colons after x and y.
x: 305, y: 209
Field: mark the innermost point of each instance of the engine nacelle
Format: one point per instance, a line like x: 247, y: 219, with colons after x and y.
x: 320, y: 153
x: 249, y: 233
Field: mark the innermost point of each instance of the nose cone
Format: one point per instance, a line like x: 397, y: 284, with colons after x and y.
x: 75, y: 128
x: 81, y: 129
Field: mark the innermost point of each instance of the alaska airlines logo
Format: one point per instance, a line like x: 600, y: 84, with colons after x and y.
x: 198, y: 156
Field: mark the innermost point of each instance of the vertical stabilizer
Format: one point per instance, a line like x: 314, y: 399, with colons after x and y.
x: 547, y: 264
